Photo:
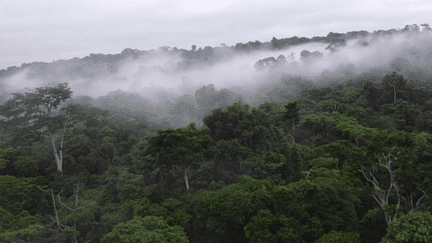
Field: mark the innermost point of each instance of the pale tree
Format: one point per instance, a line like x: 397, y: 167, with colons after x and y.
x: 393, y: 83
x: 382, y: 195
x: 38, y: 114
x: 73, y: 211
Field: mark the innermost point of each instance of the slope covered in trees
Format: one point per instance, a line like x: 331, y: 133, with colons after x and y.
x: 334, y: 164
x: 345, y: 160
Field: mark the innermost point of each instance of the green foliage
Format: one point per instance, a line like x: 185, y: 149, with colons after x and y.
x: 231, y: 156
x: 349, y: 155
x: 372, y: 214
x: 222, y: 215
x: 356, y: 111
x: 8, y: 156
x: 21, y: 227
x: 338, y: 124
x: 404, y: 110
x: 254, y: 129
x: 317, y: 207
x: 290, y: 171
x: 371, y: 95
x: 412, y: 227
x: 113, y: 214
x: 421, y: 139
x: 249, y: 180
x: 7, y: 219
x: 384, y: 140
x: 3, y: 163
x: 146, y: 229
x: 266, y: 164
x: 350, y: 93
x: 227, y: 124
x: 177, y: 213
x: 330, y: 163
x: 393, y: 85
x: 404, y: 114
x: 74, y: 214
x: 354, y: 128
x: 18, y: 194
x: 260, y: 227
x: 181, y: 147
x: 340, y: 237
x: 22, y: 235
x: 122, y: 185
x: 332, y: 104
x: 25, y: 165
x: 292, y: 112
x: 32, y: 112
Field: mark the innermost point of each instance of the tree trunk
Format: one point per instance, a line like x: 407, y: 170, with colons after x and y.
x: 186, y: 180
x: 293, y: 130
x: 58, y: 157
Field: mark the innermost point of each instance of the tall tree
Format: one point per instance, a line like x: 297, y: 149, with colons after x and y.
x: 292, y: 116
x: 183, y: 148
x: 36, y: 114
x: 393, y: 83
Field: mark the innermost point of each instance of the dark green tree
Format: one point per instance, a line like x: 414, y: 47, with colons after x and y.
x: 302, y: 212
x: 256, y: 128
x: 371, y: 95
x: 222, y: 215
x: 182, y: 148
x: 292, y: 116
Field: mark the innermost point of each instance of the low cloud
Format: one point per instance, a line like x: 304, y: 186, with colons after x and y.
x: 160, y: 86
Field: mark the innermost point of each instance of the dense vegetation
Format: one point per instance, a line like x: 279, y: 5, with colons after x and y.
x: 347, y: 163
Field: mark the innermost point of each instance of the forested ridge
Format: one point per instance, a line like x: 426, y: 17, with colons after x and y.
x: 98, y: 64
x: 346, y: 161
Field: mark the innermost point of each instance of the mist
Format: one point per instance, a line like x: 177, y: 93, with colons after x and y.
x: 159, y: 87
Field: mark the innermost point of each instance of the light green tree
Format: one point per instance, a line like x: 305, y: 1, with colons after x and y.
x: 413, y: 227
x: 36, y: 114
x: 146, y: 229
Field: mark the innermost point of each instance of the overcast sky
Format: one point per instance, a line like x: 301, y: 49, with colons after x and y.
x: 47, y: 30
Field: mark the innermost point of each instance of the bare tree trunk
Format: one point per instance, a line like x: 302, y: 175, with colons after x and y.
x: 381, y: 196
x: 59, y: 156
x: 186, y: 180
x: 64, y: 227
x: 418, y: 206
x: 358, y: 145
x: 293, y: 130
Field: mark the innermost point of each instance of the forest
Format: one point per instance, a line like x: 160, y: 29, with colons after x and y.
x: 331, y: 158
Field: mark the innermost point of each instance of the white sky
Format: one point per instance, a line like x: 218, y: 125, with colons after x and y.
x: 47, y: 30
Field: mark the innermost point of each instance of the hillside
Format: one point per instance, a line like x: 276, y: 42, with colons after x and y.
x: 332, y: 145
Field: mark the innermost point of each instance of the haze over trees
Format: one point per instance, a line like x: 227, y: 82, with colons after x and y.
x: 341, y: 153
